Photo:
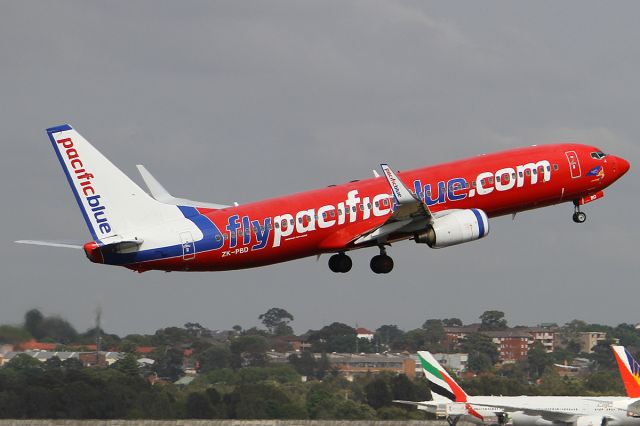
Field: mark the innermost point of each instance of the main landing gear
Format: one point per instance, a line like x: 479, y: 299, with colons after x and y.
x: 340, y: 263
x: 578, y: 216
x: 380, y: 264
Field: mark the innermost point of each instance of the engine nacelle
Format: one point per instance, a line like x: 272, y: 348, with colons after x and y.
x: 591, y: 421
x: 457, y: 227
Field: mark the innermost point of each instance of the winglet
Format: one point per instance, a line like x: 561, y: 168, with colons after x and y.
x: 400, y: 192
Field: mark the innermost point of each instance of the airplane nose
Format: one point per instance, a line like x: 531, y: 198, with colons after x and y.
x: 622, y: 165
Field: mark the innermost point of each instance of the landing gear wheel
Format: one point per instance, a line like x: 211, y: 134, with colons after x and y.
x: 579, y: 217
x: 381, y: 264
x: 340, y: 263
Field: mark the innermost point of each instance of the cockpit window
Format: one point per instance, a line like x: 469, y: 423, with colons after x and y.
x: 598, y: 155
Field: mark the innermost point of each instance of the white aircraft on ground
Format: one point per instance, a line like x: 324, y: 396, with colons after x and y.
x: 450, y: 400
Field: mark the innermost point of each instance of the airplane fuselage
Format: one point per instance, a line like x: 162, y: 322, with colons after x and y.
x: 577, y: 410
x: 329, y: 220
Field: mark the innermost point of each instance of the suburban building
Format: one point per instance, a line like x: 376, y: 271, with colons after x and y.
x: 589, y: 339
x: 353, y: 365
x: 513, y: 344
x: 363, y: 333
x: 544, y: 335
x: 456, y: 362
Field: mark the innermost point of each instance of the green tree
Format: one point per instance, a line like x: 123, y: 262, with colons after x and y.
x: 404, y: 389
x: 452, y: 322
x: 415, y: 339
x: 214, y: 358
x: 199, y: 406
x: 337, y: 337
x: 391, y: 336
x: 305, y: 363
x: 248, y: 351
x: 168, y: 363
x: 434, y: 334
x: 127, y: 365
x: 602, y: 355
x: 351, y: 410
x: 24, y: 362
x: 483, y: 353
x: 538, y: 359
x: 378, y: 393
x: 605, y: 382
x: 171, y: 336
x: 276, y: 320
x: 263, y: 401
x: 32, y: 321
x: 13, y: 334
x: 492, y: 321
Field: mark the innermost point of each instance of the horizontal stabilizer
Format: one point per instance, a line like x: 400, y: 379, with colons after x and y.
x: 64, y: 244
x: 161, y: 194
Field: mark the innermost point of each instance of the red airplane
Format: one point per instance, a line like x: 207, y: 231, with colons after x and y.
x: 439, y: 206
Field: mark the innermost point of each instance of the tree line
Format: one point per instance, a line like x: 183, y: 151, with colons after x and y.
x: 236, y: 379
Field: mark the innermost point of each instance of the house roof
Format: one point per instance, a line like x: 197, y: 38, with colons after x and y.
x: 35, y: 345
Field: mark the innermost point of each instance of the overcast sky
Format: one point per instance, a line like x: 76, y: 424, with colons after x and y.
x: 238, y: 101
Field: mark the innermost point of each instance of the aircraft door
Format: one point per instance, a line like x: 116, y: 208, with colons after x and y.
x: 574, y: 164
x: 188, y: 246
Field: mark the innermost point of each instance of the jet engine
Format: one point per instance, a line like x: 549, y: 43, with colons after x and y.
x: 456, y: 227
x: 591, y: 421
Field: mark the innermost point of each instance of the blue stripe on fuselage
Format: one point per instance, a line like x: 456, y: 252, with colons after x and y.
x: 208, y: 242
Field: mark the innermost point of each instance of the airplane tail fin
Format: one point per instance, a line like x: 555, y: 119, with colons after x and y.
x: 629, y: 370
x: 440, y: 381
x: 113, y: 206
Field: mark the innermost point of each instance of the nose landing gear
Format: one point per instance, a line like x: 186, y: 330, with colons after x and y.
x: 578, y: 216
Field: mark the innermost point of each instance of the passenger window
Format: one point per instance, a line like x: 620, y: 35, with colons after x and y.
x: 361, y: 207
x: 332, y: 213
x: 555, y: 167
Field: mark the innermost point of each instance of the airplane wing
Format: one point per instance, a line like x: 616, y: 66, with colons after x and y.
x: 161, y: 194
x: 429, y: 406
x: 410, y: 213
x: 552, y: 416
